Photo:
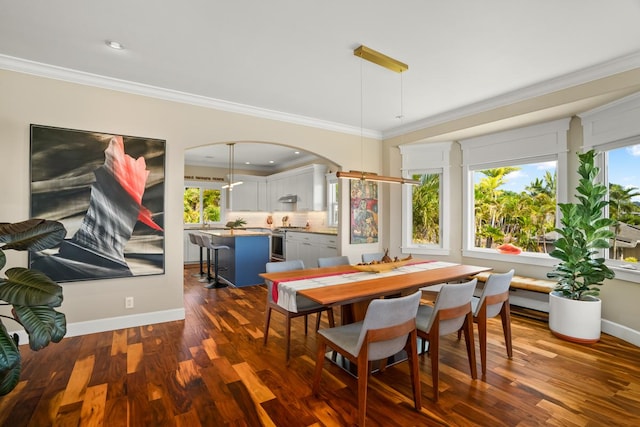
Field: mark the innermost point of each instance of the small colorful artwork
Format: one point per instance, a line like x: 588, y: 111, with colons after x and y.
x: 364, y: 211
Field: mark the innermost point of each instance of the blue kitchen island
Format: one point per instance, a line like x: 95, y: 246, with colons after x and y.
x: 248, y: 253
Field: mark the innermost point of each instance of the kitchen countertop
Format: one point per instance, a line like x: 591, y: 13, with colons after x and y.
x: 317, y: 231
x: 235, y: 233
x: 255, y: 231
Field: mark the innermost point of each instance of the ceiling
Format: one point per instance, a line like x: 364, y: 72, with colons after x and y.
x: 293, y: 59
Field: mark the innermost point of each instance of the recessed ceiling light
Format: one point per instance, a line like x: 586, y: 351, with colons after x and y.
x: 271, y: 161
x: 296, y: 152
x: 247, y: 163
x: 114, y: 45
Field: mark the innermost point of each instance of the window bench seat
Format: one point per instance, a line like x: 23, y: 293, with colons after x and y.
x: 527, y: 292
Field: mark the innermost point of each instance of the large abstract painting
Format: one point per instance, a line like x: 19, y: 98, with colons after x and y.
x: 364, y: 211
x: 108, y: 191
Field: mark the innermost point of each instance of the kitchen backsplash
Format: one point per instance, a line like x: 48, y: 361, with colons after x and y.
x: 317, y: 220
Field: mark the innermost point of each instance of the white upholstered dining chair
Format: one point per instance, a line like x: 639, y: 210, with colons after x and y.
x: 305, y: 305
x: 493, y: 301
x: 333, y: 261
x: 389, y: 326
x: 450, y: 312
x: 372, y: 256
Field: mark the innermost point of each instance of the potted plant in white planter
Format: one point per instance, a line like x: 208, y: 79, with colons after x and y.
x: 574, y: 305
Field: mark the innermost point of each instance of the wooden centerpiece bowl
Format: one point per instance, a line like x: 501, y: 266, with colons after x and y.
x: 382, y: 267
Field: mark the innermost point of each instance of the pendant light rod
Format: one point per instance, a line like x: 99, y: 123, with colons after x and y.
x: 393, y: 65
x: 231, y: 184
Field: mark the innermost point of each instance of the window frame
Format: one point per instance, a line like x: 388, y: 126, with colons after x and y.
x: 424, y: 158
x: 531, y: 144
x: 333, y: 199
x: 606, y: 128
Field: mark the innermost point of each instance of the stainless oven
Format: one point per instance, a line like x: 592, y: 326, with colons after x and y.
x: 278, y: 246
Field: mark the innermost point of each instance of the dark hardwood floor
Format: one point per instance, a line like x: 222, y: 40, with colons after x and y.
x: 212, y: 370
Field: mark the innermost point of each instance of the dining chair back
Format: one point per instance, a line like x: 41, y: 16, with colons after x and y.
x: 493, y: 301
x: 196, y: 240
x: 372, y: 256
x: 333, y: 261
x: 389, y: 326
x: 450, y: 312
x: 305, y: 305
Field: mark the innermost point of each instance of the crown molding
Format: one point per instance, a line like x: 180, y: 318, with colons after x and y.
x: 20, y: 65
x: 585, y: 75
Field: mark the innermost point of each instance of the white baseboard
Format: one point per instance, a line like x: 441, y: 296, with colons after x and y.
x: 114, y: 323
x: 620, y: 331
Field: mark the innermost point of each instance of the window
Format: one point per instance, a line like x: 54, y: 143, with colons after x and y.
x: 425, y: 207
x: 516, y: 205
x: 621, y: 166
x: 202, y: 205
x: 332, y: 200
x: 512, y: 182
x: 614, y: 131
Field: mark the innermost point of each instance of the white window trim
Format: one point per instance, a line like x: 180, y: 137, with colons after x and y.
x: 524, y: 145
x: 427, y: 158
x: 210, y: 186
x: 606, y: 128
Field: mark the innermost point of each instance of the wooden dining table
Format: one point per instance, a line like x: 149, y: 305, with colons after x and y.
x: 353, y: 296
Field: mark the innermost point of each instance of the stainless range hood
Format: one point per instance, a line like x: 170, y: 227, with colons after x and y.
x: 288, y: 198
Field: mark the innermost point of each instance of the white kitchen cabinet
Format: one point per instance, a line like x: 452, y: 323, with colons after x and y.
x: 307, y: 182
x: 308, y: 247
x: 250, y: 195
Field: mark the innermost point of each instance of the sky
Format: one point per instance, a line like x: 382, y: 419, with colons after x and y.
x: 624, y: 169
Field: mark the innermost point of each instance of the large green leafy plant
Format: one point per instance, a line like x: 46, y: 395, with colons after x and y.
x: 32, y: 294
x: 584, y: 233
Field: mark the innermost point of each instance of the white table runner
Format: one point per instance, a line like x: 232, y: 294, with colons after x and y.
x: 287, y: 290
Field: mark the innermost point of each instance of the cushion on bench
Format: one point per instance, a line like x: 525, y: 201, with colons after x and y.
x: 525, y: 283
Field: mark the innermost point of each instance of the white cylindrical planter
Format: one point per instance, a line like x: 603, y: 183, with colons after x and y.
x: 575, y: 320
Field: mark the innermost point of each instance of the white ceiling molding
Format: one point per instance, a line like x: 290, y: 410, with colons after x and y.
x: 609, y: 68
x: 80, y: 77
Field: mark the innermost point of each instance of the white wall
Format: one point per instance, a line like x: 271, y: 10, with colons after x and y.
x: 99, y: 305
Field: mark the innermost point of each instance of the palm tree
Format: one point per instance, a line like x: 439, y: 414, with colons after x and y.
x: 620, y: 207
x: 426, y: 209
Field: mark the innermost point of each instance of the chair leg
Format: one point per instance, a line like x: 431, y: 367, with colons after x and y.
x: 215, y: 284
x: 288, y: 337
x: 201, y: 263
x: 412, y: 353
x: 434, y: 351
x: 207, y: 279
x: 306, y: 323
x: 363, y: 377
x: 482, y: 337
x: 332, y: 322
x: 322, y: 348
x: 267, y: 320
x: 318, y: 318
x: 505, y: 316
x: 471, y: 347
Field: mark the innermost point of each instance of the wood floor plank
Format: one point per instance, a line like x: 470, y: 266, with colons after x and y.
x: 258, y: 390
x: 79, y: 380
x: 134, y: 357
x: 93, y: 406
x: 212, y: 369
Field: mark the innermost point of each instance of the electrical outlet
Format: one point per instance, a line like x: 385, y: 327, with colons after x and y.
x: 128, y: 302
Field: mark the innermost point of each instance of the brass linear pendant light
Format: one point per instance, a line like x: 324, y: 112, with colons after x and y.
x: 393, y: 65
